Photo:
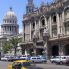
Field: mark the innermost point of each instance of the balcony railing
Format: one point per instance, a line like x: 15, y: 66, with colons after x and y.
x: 45, y: 33
x: 54, y: 24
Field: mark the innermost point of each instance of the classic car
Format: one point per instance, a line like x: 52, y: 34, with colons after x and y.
x: 22, y: 64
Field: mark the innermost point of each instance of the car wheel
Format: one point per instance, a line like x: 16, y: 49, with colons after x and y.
x: 61, y: 62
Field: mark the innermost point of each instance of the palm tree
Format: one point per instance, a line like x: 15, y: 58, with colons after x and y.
x: 6, y: 47
x: 14, y: 42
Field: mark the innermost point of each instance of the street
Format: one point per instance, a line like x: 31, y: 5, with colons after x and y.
x: 48, y: 65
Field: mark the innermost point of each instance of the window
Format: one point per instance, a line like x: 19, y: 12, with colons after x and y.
x: 10, y: 21
x: 33, y: 25
x: 54, y: 18
x: 43, y: 22
x: 13, y: 21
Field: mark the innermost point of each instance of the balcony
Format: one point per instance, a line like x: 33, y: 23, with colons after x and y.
x: 45, y: 34
x: 54, y: 24
x: 42, y: 27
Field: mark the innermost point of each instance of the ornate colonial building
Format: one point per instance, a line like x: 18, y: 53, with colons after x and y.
x: 46, y: 29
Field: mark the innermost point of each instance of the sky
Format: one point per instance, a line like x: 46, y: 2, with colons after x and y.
x: 19, y: 7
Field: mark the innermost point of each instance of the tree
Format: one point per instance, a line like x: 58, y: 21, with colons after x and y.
x: 6, y: 47
x: 14, y: 42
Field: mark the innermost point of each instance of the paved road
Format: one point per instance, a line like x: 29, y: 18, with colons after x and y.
x: 52, y: 66
x: 3, y: 65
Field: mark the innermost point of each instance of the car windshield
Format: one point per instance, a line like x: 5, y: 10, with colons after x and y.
x: 16, y: 64
x: 26, y: 64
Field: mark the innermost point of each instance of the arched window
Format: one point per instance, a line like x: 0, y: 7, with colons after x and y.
x: 43, y: 22
x: 54, y: 18
x: 33, y: 25
x: 66, y: 13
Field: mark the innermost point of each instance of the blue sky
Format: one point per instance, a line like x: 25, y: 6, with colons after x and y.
x: 19, y: 7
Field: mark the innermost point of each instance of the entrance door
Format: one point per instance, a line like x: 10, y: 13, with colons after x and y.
x: 39, y: 51
x: 55, y: 50
x: 67, y: 49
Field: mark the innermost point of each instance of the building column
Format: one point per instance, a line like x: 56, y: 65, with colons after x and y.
x: 63, y: 28
x: 30, y: 30
x: 39, y: 28
x: 61, y: 24
x: 61, y: 51
x: 35, y: 51
x: 45, y: 48
x: 46, y: 24
x: 26, y: 52
x: 50, y: 21
x: 58, y: 24
x: 35, y: 25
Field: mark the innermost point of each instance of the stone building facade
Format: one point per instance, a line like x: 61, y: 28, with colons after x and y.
x: 46, y: 29
x: 9, y: 26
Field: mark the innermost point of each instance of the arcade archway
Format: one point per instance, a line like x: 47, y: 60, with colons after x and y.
x: 67, y: 49
x: 55, y: 51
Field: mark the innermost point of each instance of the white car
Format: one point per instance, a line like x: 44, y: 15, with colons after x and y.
x: 24, y: 57
x: 38, y: 59
x: 5, y: 58
x: 59, y: 59
x: 53, y: 59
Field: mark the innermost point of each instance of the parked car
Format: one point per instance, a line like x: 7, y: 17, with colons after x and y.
x: 22, y: 64
x: 67, y: 61
x: 59, y: 59
x: 37, y: 59
x: 24, y: 57
x: 43, y: 58
x: 53, y: 59
x: 5, y: 58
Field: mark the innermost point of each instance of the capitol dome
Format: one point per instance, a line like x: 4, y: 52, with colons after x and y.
x: 10, y: 17
x: 10, y: 26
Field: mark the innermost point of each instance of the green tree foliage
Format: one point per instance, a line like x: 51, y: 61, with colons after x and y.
x: 6, y: 47
x: 14, y: 42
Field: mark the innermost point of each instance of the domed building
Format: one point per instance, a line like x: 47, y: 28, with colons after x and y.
x: 9, y: 26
